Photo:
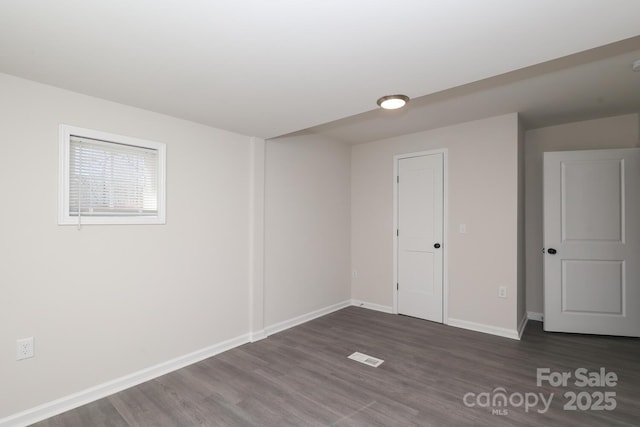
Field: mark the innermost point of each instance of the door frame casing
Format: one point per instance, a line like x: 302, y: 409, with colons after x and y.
x: 445, y: 227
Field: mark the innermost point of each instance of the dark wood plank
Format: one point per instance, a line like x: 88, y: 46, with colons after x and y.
x: 302, y: 377
x: 100, y: 412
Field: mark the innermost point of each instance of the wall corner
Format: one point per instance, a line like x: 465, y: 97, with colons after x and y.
x: 256, y: 237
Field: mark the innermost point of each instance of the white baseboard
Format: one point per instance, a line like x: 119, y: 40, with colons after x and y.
x: 522, y: 325
x: 487, y: 329
x: 281, y: 326
x: 257, y: 335
x: 91, y: 394
x: 372, y: 306
x: 532, y: 315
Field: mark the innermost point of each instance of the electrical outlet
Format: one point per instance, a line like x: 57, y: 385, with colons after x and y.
x: 24, y: 348
x: 354, y: 274
x: 462, y: 229
x: 502, y: 292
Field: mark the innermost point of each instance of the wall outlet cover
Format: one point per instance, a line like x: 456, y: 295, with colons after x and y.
x: 502, y: 292
x: 24, y: 348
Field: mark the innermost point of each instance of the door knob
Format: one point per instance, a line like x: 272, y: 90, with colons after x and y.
x: 437, y: 246
x: 551, y: 251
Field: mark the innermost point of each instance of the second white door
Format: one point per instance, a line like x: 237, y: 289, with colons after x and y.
x: 420, y: 215
x: 592, y: 240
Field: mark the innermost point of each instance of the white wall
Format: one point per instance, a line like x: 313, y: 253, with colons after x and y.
x: 611, y: 132
x: 483, y: 187
x: 307, y: 220
x: 110, y: 300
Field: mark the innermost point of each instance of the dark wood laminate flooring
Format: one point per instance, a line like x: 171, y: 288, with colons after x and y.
x: 302, y: 377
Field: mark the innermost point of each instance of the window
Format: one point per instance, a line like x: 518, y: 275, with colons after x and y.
x: 110, y: 179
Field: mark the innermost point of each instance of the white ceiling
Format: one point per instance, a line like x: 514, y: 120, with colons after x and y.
x: 267, y: 68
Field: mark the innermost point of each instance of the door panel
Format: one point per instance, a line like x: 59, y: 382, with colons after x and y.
x: 592, y: 220
x: 582, y: 291
x: 420, y: 227
x: 417, y: 275
x: 592, y: 199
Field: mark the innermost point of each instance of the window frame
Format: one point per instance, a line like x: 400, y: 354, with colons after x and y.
x: 64, y: 217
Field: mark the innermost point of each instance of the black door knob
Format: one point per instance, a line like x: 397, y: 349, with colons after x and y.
x: 437, y: 246
x: 552, y: 251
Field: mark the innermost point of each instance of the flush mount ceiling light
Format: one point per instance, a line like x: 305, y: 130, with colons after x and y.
x: 393, y: 102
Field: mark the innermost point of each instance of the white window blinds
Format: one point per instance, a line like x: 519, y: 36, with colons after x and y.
x: 108, y: 179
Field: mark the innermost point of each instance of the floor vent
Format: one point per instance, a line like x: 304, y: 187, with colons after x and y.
x: 367, y: 360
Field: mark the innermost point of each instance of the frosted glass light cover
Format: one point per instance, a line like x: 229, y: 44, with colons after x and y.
x: 393, y: 102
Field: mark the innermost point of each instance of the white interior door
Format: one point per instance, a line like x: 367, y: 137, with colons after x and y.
x: 592, y: 241
x: 419, y: 236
